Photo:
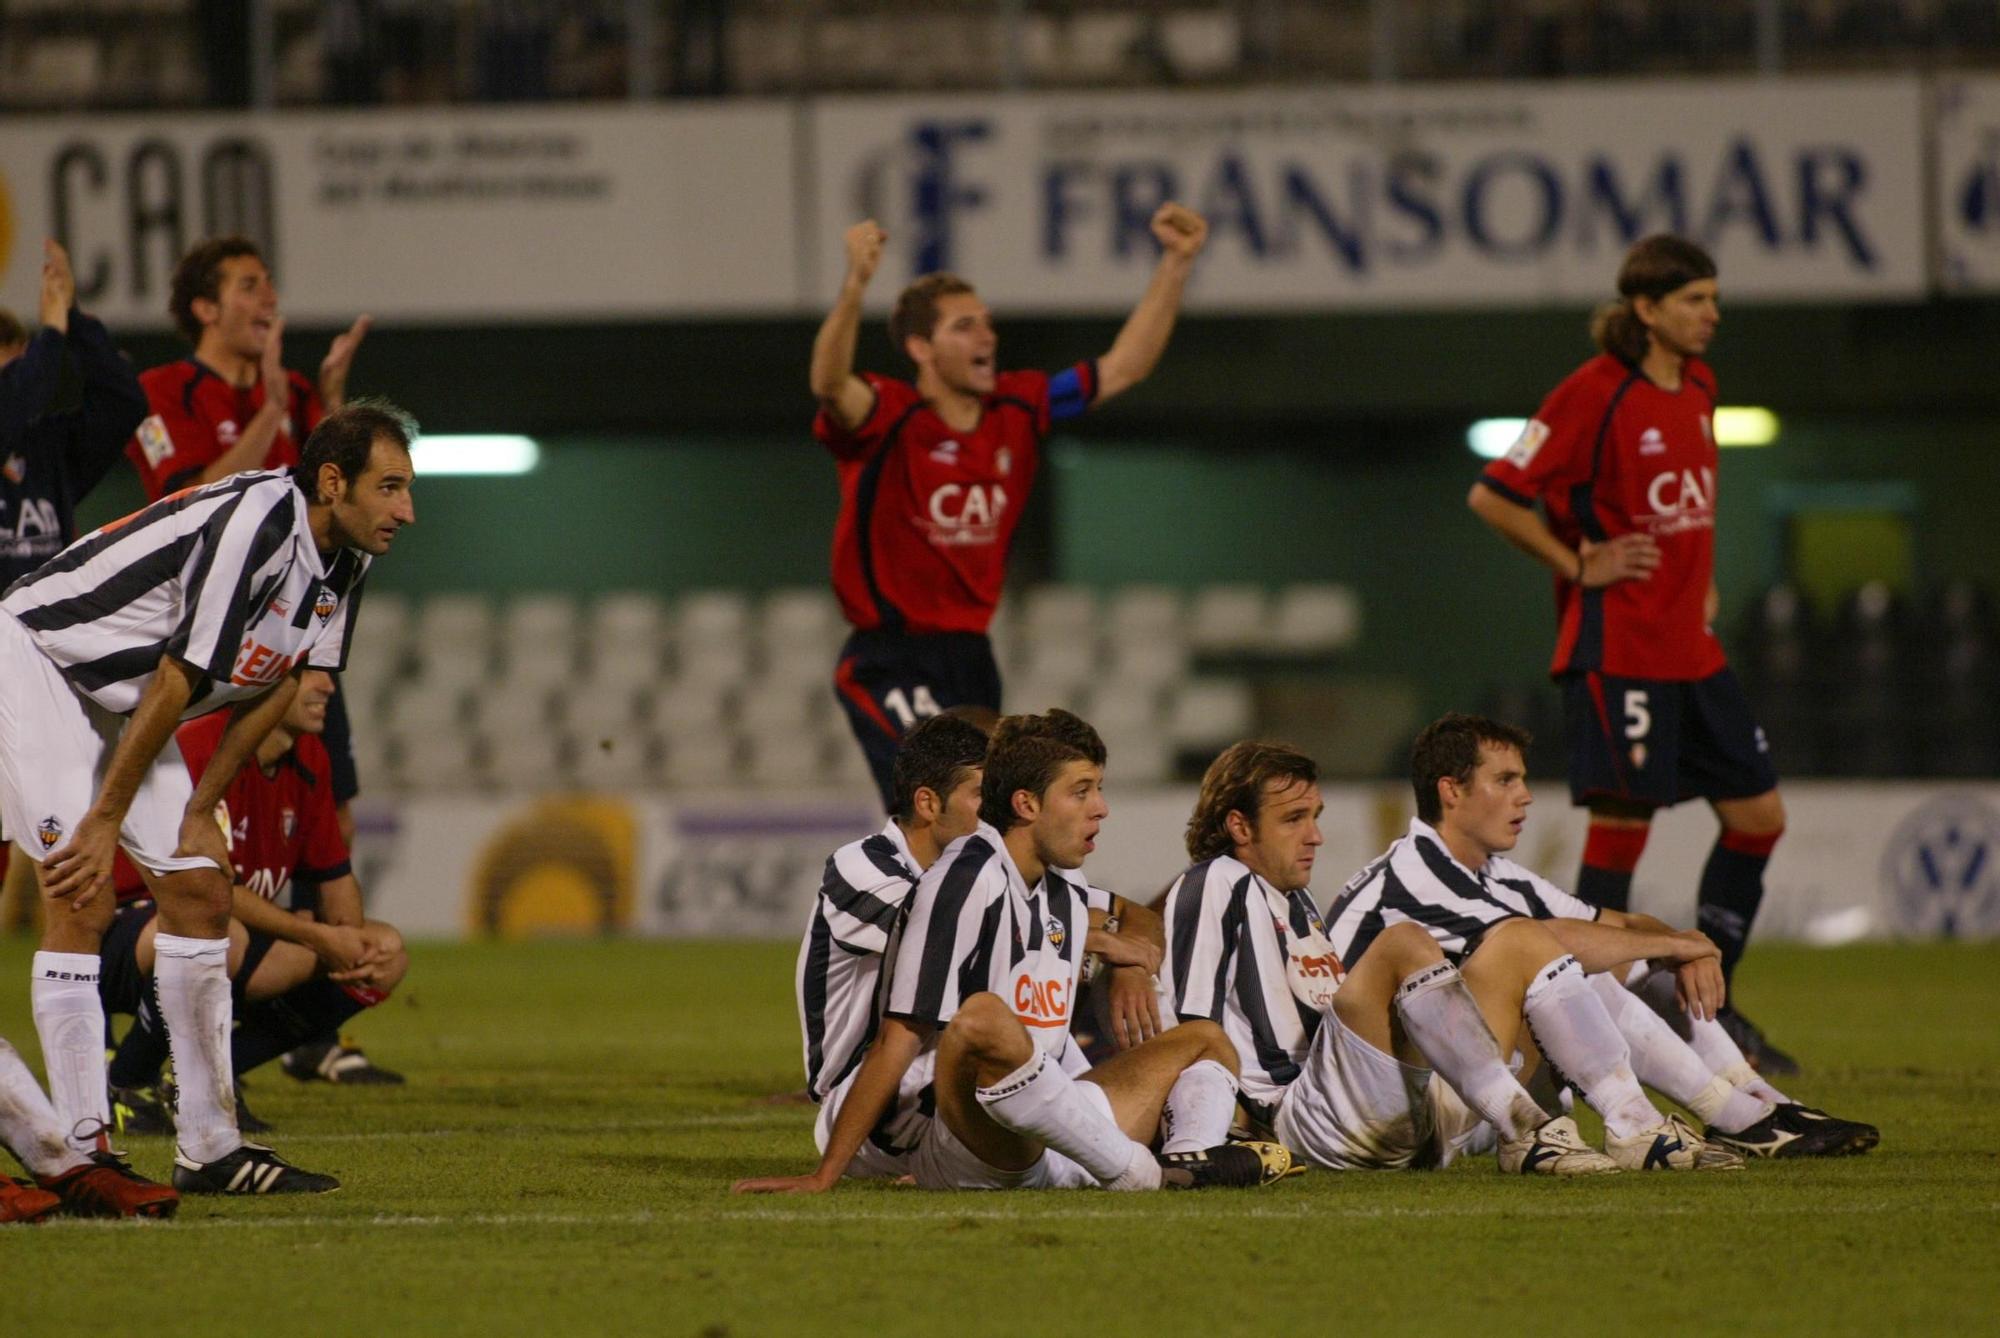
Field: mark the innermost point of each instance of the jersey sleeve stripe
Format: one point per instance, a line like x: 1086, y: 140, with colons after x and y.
x: 117, y: 667
x: 1250, y: 991
x: 145, y: 575
x: 1513, y: 495
x: 1454, y: 879
x: 940, y: 931
x: 818, y: 951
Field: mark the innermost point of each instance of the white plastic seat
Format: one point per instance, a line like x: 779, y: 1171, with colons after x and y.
x: 437, y: 759
x: 1121, y: 708
x: 1067, y: 665
x: 545, y: 620
x: 621, y: 664
x: 629, y: 762
x: 718, y: 658
x: 425, y: 705
x: 508, y: 704
x: 527, y: 761
x: 383, y: 623
x: 1211, y: 712
x: 705, y: 614
x: 1144, y: 613
x: 1135, y: 756
x: 627, y: 616
x: 606, y: 711
x: 782, y: 761
x: 1315, y: 619
x: 691, y: 706
x: 773, y: 709
x: 1228, y: 618
x: 702, y: 760
x: 460, y: 620
x: 1066, y: 611
x: 1146, y: 664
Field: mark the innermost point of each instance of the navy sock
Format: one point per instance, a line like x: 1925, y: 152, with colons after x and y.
x: 1732, y: 887
x: 270, y: 1027
x: 143, y: 1052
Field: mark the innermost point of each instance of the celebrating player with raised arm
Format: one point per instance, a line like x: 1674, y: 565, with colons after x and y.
x: 933, y: 476
x: 215, y: 598
x: 1622, y: 457
x: 1449, y: 876
x: 1401, y: 1062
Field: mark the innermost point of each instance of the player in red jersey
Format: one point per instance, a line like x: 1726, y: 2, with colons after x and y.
x: 933, y: 476
x: 1622, y: 458
x: 316, y: 970
x: 232, y: 406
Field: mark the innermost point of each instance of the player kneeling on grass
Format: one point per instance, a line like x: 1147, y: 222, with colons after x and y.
x: 1448, y: 875
x: 1399, y: 1059
x: 293, y: 976
x: 986, y: 973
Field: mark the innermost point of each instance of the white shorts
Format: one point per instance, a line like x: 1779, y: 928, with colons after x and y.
x: 885, y: 1154
x: 54, y: 745
x: 1355, y: 1108
x: 942, y: 1162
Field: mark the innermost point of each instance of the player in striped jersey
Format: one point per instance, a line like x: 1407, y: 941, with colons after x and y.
x: 1346, y: 1069
x: 214, y: 598
x: 1449, y: 875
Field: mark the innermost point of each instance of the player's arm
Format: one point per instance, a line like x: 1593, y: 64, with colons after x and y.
x: 1696, y: 962
x: 82, y: 868
x: 1625, y: 557
x: 1131, y: 940
x: 844, y: 396
x: 1143, y: 338
x: 28, y: 383
x: 366, y: 947
x: 895, y: 1047
x: 254, y: 444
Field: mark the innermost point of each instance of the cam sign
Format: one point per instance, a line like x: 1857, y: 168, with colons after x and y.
x: 1810, y: 189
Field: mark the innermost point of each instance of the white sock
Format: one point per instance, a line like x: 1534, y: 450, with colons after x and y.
x: 1579, y: 1038
x: 191, y: 980
x: 1709, y: 1039
x: 1039, y: 1101
x: 1742, y: 1076
x: 1666, y: 1063
x: 28, y: 1124
x: 70, y: 1019
x: 1200, y: 1107
x: 1444, y: 1020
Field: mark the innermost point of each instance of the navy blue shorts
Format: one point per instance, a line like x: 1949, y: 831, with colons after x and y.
x: 1658, y: 741
x: 121, y: 987
x: 887, y: 681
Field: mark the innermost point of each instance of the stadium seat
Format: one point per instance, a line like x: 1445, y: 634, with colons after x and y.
x: 719, y: 659
x: 1066, y: 664
x: 774, y: 709
x: 1117, y: 706
x: 438, y: 759
x: 458, y: 622
x: 384, y: 622
x: 526, y: 761
x: 1146, y: 664
x: 426, y: 705
x: 626, y: 761
x: 705, y: 759
x: 1315, y: 619
x: 609, y: 710
x: 510, y: 703
x: 1138, y: 756
x: 1059, y: 612
x: 709, y: 615
x: 544, y: 619
x: 1209, y: 713
x: 691, y: 706
x: 623, y: 663
x: 1227, y: 619
x: 1144, y: 613
x: 783, y: 761
x: 627, y: 617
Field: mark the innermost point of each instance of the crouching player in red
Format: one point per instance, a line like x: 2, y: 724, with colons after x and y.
x: 294, y: 976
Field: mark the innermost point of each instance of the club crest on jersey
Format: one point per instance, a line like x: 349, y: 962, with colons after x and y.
x: 1056, y: 932
x: 49, y: 831
x: 288, y: 820
x: 1003, y: 462
x: 16, y: 469
x: 1522, y: 452
x: 154, y: 441
x: 945, y: 452
x: 326, y: 603
x: 1652, y: 443
x: 226, y: 432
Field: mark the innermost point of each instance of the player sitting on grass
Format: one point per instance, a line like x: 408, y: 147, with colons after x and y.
x: 1346, y: 1072
x: 66, y: 1179
x: 986, y: 974
x: 293, y: 976
x: 1448, y: 876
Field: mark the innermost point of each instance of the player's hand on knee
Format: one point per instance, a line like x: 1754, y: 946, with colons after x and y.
x: 82, y: 869
x: 343, y: 949
x: 1699, y: 987
x: 1135, y: 1007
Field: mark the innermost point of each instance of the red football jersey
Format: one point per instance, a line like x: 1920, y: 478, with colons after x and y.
x: 280, y: 825
x: 1610, y: 453
x: 927, y: 513
x: 196, y: 416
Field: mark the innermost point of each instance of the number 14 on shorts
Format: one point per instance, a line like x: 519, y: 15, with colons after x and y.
x: 910, y: 706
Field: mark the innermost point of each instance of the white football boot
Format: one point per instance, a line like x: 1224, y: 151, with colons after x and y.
x: 1556, y: 1148
x: 1671, y: 1145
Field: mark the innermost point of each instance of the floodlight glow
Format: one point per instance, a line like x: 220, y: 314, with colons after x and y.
x: 474, y: 454
x: 1740, y: 426
x: 1491, y: 438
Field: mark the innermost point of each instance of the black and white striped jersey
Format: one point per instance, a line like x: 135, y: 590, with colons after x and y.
x: 1229, y: 934
x: 1418, y: 880
x: 843, y: 961
x: 975, y: 926
x: 224, y: 577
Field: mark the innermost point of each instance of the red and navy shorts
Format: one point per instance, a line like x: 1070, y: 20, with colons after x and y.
x: 1661, y: 741
x: 887, y: 681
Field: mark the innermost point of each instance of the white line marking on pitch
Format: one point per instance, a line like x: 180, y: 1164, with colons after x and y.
x: 748, y: 1118
x: 941, y: 1213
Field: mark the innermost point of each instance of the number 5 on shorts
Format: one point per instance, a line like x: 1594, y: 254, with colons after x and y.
x: 1638, y: 714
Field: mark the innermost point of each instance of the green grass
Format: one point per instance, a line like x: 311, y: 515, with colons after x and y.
x: 559, y: 1163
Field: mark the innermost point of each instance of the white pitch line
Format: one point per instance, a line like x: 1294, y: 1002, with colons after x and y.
x: 942, y: 1213
x: 747, y: 1118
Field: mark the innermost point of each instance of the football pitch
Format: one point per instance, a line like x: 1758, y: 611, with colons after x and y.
x: 559, y: 1164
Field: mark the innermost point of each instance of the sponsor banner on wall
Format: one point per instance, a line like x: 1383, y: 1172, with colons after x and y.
x: 1966, y: 138
x: 1427, y: 195
x: 460, y: 215
x: 1858, y: 861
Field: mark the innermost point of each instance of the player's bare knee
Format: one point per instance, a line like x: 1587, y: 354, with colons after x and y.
x: 1761, y: 815
x: 1210, y: 1041
x: 1524, y: 940
x: 1409, y: 945
x: 988, y: 1029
